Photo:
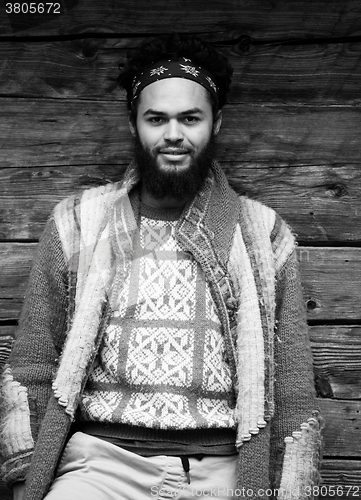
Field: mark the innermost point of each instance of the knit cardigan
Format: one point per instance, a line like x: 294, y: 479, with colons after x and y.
x: 247, y: 254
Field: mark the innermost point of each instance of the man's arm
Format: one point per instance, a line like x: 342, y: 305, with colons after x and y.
x: 295, y: 398
x: 27, y: 377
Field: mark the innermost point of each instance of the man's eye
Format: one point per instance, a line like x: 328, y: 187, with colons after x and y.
x: 156, y: 119
x: 190, y: 119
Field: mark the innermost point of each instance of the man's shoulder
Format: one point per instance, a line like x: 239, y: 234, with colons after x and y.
x: 257, y: 205
x: 93, y: 198
x: 254, y: 212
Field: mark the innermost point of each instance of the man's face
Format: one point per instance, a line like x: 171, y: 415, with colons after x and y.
x: 173, y: 130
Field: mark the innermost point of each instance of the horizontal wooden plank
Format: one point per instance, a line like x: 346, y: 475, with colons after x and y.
x: 312, y: 73
x: 6, y: 341
x: 37, y: 132
x: 15, y: 264
x: 326, y: 297
x: 87, y: 68
x: 297, y: 135
x: 344, y: 474
x: 322, y: 203
x: 259, y: 18
x: 337, y: 360
x: 29, y: 194
x: 342, y: 431
x: 62, y: 132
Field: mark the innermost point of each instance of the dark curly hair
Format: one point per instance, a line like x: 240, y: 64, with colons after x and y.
x: 174, y: 46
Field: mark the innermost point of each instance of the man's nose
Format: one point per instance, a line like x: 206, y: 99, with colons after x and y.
x: 173, y: 132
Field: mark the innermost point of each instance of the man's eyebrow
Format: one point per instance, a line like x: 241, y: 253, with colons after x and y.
x: 153, y: 112
x: 192, y: 111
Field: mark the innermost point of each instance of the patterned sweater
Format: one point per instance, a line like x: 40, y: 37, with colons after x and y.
x: 161, y: 363
x: 247, y: 255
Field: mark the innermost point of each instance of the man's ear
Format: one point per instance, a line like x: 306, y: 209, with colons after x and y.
x: 217, y: 122
x: 131, y: 122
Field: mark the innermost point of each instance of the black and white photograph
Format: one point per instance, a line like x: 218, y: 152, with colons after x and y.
x: 180, y: 250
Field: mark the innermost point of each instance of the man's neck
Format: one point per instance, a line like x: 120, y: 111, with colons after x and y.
x: 166, y: 202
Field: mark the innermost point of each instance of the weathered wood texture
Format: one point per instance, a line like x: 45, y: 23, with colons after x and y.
x: 342, y: 431
x: 6, y: 341
x: 326, y: 296
x: 84, y: 132
x: 291, y: 138
x: 86, y: 68
x: 337, y: 361
x: 260, y: 18
x: 326, y: 200
x: 344, y: 476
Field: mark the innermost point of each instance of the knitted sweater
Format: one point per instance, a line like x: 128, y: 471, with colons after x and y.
x: 247, y: 254
x: 161, y: 363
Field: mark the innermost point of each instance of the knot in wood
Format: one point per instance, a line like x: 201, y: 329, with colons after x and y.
x: 311, y: 304
x: 90, y: 50
x: 244, y: 44
x: 339, y: 190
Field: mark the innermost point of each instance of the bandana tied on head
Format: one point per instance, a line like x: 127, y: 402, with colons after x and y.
x: 180, y: 68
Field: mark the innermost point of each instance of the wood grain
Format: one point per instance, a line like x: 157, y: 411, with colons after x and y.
x: 266, y: 73
x: 322, y: 203
x: 331, y: 280
x: 290, y: 139
x: 337, y: 360
x: 37, y: 132
x: 6, y: 341
x: 327, y: 297
x: 279, y: 19
x: 346, y: 474
x: 342, y: 432
x: 15, y: 264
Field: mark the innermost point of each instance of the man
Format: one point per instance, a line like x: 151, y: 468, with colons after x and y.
x: 162, y: 349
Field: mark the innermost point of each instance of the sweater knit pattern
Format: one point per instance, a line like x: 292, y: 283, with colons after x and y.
x: 162, y: 362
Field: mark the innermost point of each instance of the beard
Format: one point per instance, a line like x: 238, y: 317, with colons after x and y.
x: 180, y: 184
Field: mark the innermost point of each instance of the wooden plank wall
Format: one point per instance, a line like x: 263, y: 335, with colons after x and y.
x: 291, y: 138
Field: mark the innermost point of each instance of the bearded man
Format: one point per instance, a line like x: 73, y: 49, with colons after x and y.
x: 162, y: 349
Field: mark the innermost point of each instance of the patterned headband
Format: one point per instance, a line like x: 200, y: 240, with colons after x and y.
x: 181, y: 68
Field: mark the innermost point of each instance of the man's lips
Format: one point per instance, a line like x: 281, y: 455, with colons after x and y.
x: 173, y: 151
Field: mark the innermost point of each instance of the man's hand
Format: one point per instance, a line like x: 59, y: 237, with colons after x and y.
x: 19, y: 490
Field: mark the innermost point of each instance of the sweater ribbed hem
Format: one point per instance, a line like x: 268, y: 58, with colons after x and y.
x: 147, y: 441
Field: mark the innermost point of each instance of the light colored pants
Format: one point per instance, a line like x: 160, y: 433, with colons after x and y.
x: 93, y: 469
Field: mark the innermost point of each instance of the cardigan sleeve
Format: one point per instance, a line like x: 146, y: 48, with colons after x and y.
x: 296, y: 426
x: 27, y: 377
